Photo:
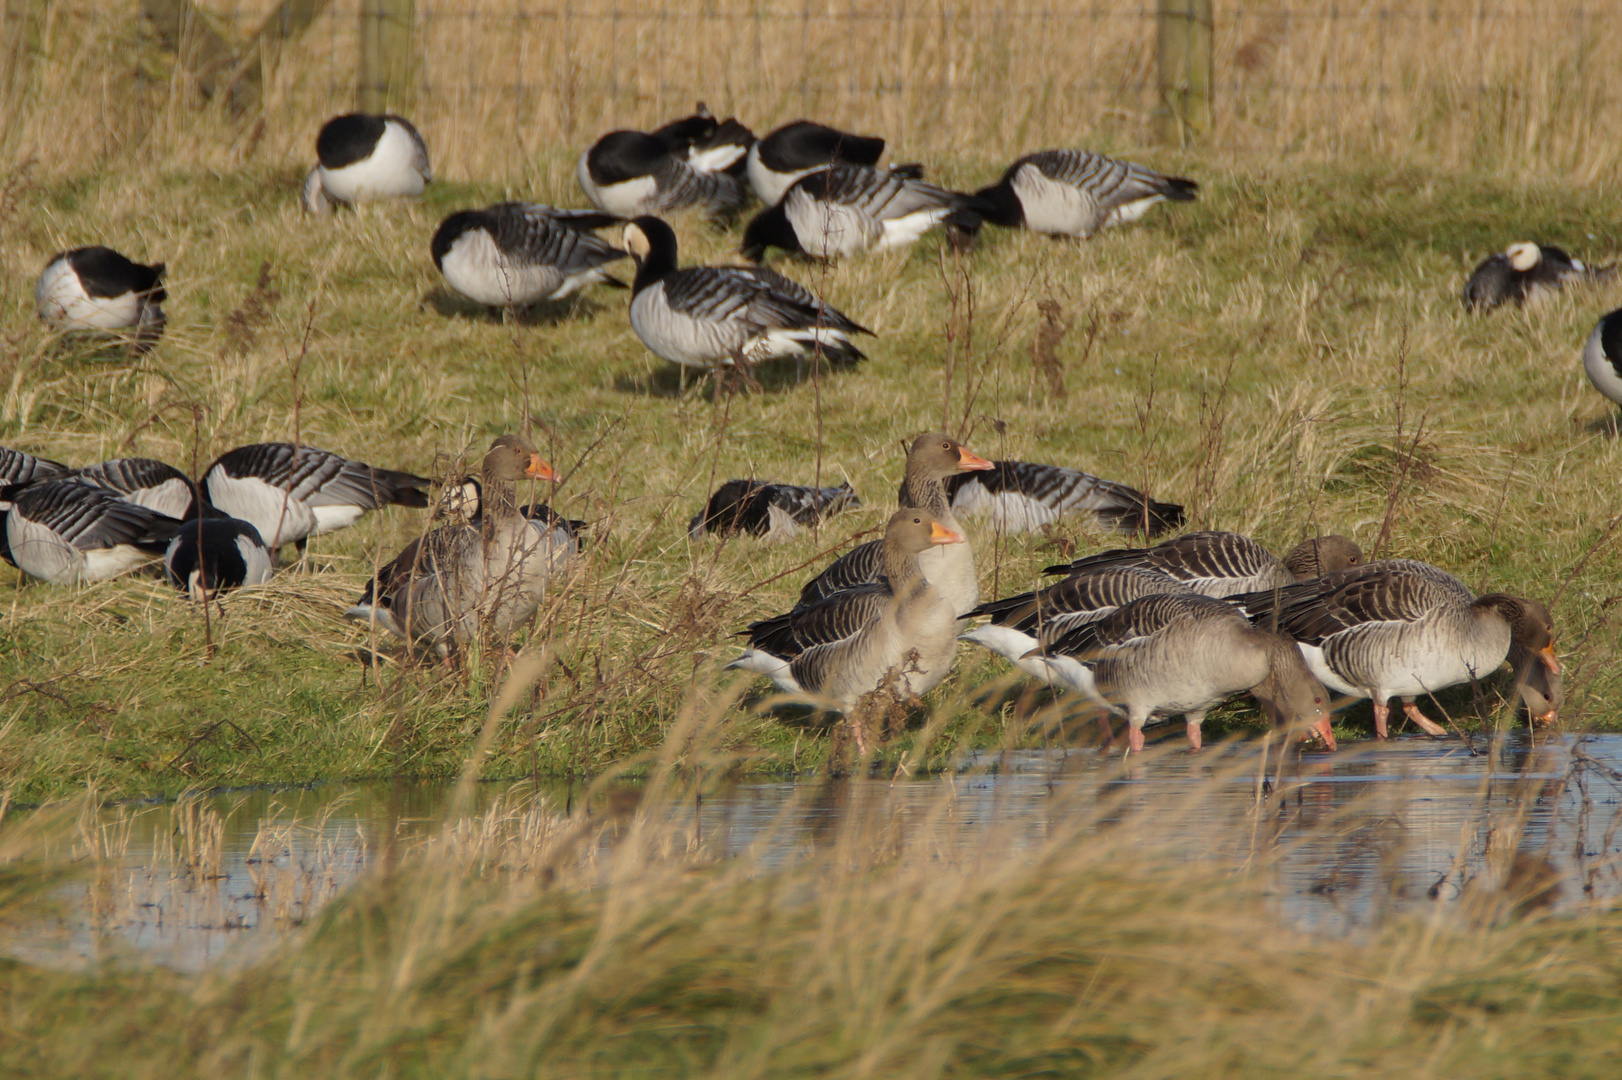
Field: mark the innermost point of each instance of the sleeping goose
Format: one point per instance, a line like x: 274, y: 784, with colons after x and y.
x: 631, y: 173
x: 1525, y: 272
x: 1022, y: 496
x: 791, y: 151
x: 710, y: 145
x: 770, y: 511
x: 1401, y: 628
x: 210, y: 555
x: 512, y: 254
x: 97, y: 289
x: 18, y: 470
x: 144, y: 482
x: 364, y: 156
x: 1077, y: 192
x: 290, y: 493
x: 462, y: 578
x: 933, y: 458
x: 1602, y: 356
x: 898, y: 627
x: 65, y: 532
x: 1225, y: 564
x: 1182, y: 653
x: 846, y: 209
x: 716, y: 316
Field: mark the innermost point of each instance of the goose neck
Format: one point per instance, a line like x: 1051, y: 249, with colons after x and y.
x: 925, y: 491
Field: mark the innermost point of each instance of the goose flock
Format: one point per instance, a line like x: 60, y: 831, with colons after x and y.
x: 1137, y: 633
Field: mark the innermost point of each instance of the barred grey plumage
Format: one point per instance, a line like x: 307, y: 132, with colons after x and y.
x: 846, y: 209
x: 145, y: 482
x: 631, y: 173
x: 1077, y: 192
x: 64, y: 531
x: 514, y: 253
x: 768, y: 510
x: 19, y: 469
x: 1023, y: 495
x: 1222, y: 564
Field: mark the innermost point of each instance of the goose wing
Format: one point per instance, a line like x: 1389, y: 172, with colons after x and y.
x: 1077, y: 599
x: 18, y: 470
x: 1396, y: 591
x: 144, y: 481
x: 875, y: 193
x: 90, y: 517
x: 323, y: 478
x: 861, y: 565
x: 680, y: 185
x: 807, y: 504
x: 827, y: 622
x: 1111, y: 183
x: 1023, y: 495
x: 791, y: 291
x: 1134, y: 623
x: 536, y: 235
x: 1196, y: 559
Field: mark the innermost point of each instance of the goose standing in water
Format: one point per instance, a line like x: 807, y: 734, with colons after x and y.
x: 208, y: 556
x: 634, y: 173
x: 1021, y: 496
x: 1602, y: 358
x: 365, y: 156
x: 898, y: 628
x: 1182, y: 653
x: 933, y: 458
x: 1225, y: 564
x: 771, y: 511
x: 512, y: 254
x: 848, y: 209
x: 795, y: 149
x: 1523, y: 273
x: 1077, y: 192
x: 97, y: 289
x: 66, y: 532
x: 1401, y: 628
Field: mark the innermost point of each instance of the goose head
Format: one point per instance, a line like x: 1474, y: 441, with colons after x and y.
x: 651, y: 243
x: 512, y: 458
x: 1531, y: 627
x: 914, y: 531
x: 459, y: 501
x: 935, y: 455
x: 1319, y: 555
x: 1290, y: 694
x: 1523, y: 256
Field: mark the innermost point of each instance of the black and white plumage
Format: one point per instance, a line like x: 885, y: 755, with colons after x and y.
x: 19, y: 469
x: 716, y: 316
x: 1523, y: 273
x: 512, y: 254
x: 95, y: 288
x: 145, y: 482
x: 1077, y: 192
x: 767, y: 510
x: 1602, y: 356
x: 788, y: 153
x: 290, y: 493
x: 631, y: 173
x: 66, y: 532
x: 366, y: 156
x: 847, y: 209
x: 1220, y: 564
x: 1022, y: 496
x: 710, y: 145
x: 208, y: 556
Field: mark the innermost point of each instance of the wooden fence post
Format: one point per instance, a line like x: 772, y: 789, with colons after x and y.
x: 1184, y: 51
x: 385, y: 79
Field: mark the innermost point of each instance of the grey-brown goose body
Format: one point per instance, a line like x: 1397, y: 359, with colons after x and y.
x: 1222, y: 564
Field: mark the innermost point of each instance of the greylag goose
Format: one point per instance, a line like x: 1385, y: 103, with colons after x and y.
x: 1174, y: 653
x: 1602, y: 356
x: 716, y: 316
x: 97, y: 289
x: 803, y: 146
x: 932, y: 459
x: 1022, y: 496
x: 847, y: 209
x: 1225, y: 564
x: 899, y: 627
x: 464, y: 578
x: 1018, y: 624
x: 65, y: 532
x: 632, y: 173
x: 208, y: 556
x: 1077, y: 192
x: 1401, y: 628
x: 1525, y: 272
x: 19, y: 469
x: 365, y: 156
x: 144, y: 482
x: 770, y: 511
x: 512, y: 254
x: 290, y: 493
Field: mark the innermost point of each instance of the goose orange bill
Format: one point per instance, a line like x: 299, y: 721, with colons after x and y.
x: 969, y: 461
x: 539, y: 469
x: 1324, y: 732
x: 1550, y: 661
x: 940, y: 534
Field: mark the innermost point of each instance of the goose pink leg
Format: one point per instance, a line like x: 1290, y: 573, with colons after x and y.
x: 1134, y: 739
x: 1424, y: 722
x: 1193, y: 721
x: 1381, y: 712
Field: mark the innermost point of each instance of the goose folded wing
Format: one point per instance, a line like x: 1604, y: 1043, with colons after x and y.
x: 1131, y: 624
x: 879, y: 195
x: 18, y: 470
x: 1312, y: 611
x: 542, y: 239
x: 788, y: 289
x: 90, y: 518
x: 710, y: 293
x: 1030, y: 492
x: 682, y: 185
x: 861, y: 565
x: 1111, y: 183
x: 826, y: 622
x: 355, y: 483
x: 806, y: 504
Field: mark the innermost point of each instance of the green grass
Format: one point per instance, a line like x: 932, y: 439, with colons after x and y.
x: 1247, y: 355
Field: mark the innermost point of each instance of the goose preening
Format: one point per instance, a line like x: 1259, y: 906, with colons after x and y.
x: 795, y: 149
x: 1400, y: 628
x: 513, y: 253
x: 1525, y: 272
x: 1225, y: 564
x: 1022, y: 496
x: 19, y: 469
x: 846, y: 209
x: 144, y: 482
x: 1077, y: 192
x: 290, y: 493
x: 66, y: 532
x: 97, y: 289
x: 898, y: 628
x: 712, y: 145
x: 1182, y: 653
x: 770, y: 511
x: 365, y: 156
x: 462, y: 578
x: 208, y: 556
x: 632, y: 173
x: 1602, y: 356
x: 715, y: 316
x: 933, y: 458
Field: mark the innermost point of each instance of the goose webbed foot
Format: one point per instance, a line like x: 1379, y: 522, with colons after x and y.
x: 1421, y: 721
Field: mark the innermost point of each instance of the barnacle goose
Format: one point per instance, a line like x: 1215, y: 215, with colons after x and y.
x: 1602, y: 358
x: 627, y: 173
x: 144, y: 482
x: 18, y: 470
x: 713, y: 316
x: 1077, y: 192
x: 770, y: 511
x: 96, y: 288
x: 845, y: 209
x: 710, y: 145
x: 513, y: 253
x: 290, y: 493
x: 1022, y: 496
x: 788, y: 153
x: 1525, y: 272
x: 65, y: 531
x: 365, y: 156
x: 211, y: 555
